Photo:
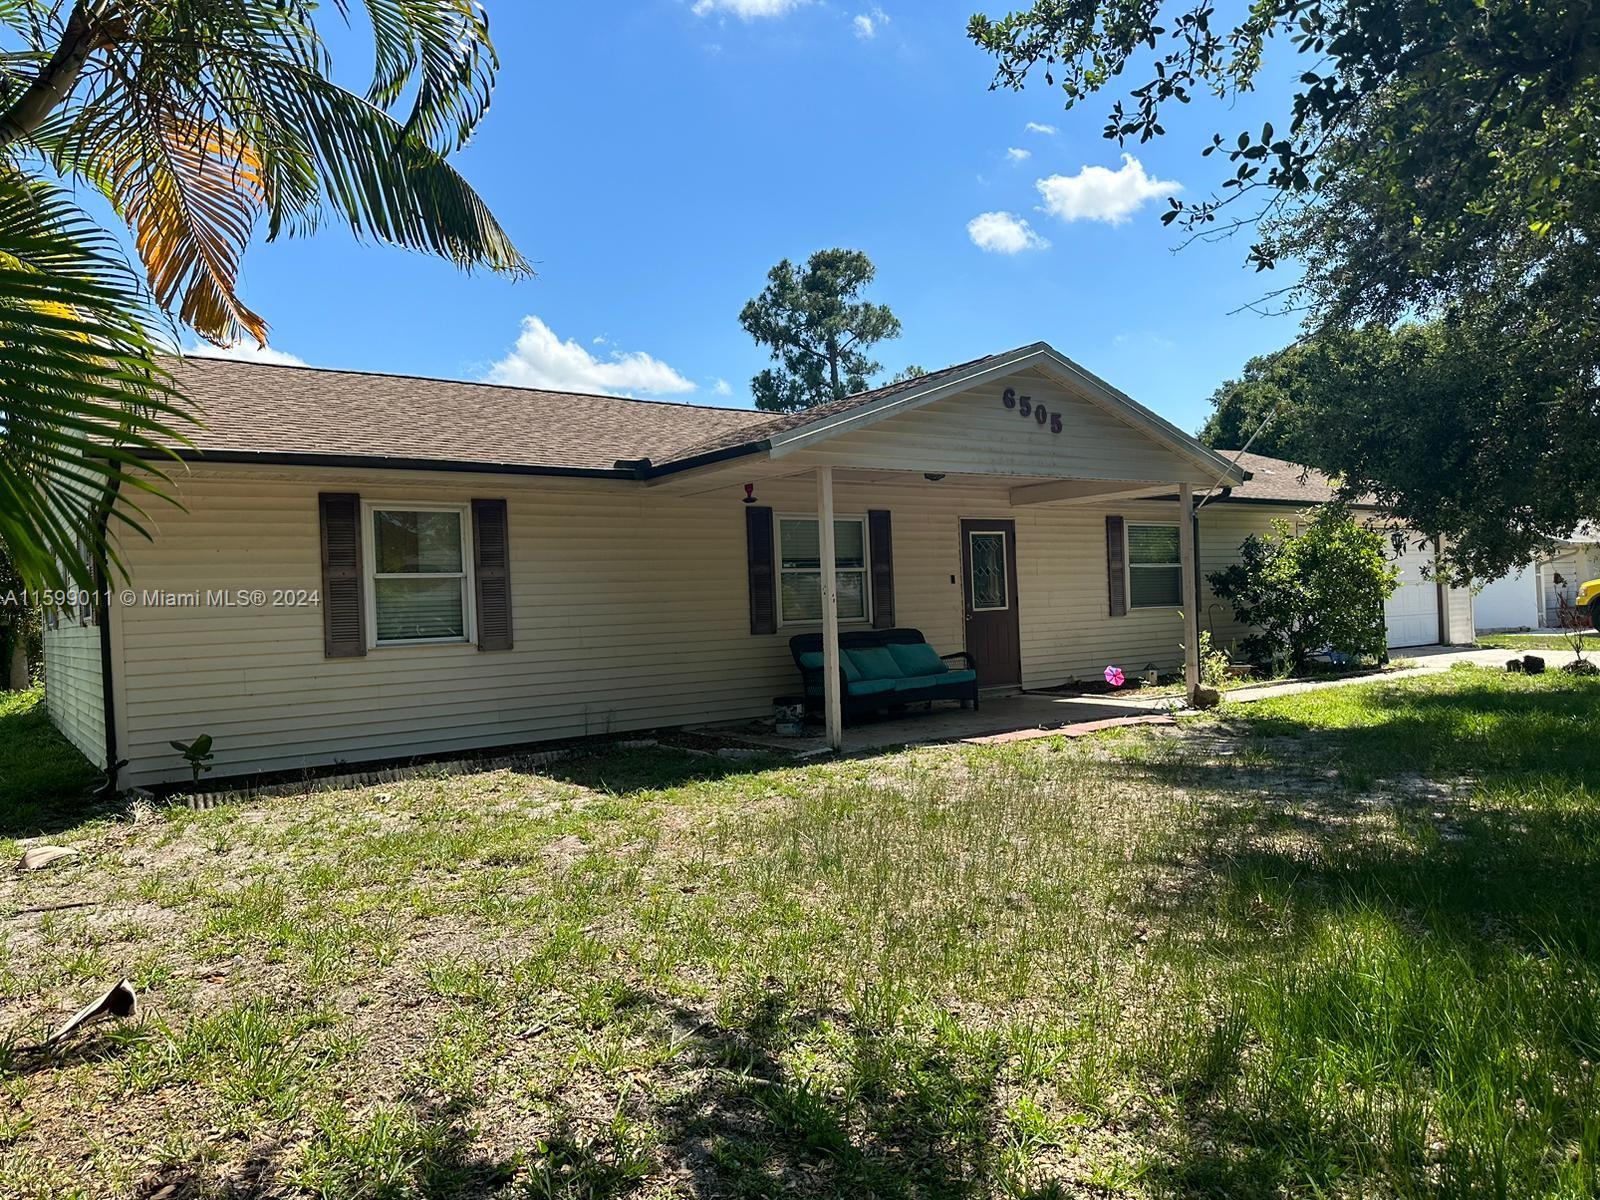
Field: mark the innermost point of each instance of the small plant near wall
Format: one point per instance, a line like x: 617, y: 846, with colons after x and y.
x: 197, y: 754
x: 1311, y: 592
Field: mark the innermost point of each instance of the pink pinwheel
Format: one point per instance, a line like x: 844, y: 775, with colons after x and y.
x: 1115, y: 677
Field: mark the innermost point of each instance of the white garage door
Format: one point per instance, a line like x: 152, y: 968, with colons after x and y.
x: 1412, y: 613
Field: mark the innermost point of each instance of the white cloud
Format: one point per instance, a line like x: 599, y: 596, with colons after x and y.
x: 1101, y: 194
x: 1004, y: 233
x: 722, y: 388
x: 868, y: 24
x: 1036, y: 127
x: 246, y: 352
x: 745, y: 10
x: 540, y: 359
x: 1018, y: 154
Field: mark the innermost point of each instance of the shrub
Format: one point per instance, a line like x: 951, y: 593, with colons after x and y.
x: 1305, y: 593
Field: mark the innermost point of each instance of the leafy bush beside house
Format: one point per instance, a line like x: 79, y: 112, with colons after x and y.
x: 1305, y: 593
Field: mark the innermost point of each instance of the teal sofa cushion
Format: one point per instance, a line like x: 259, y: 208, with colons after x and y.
x: 918, y: 682
x: 870, y: 687
x: 874, y: 662
x: 812, y: 661
x: 917, y: 658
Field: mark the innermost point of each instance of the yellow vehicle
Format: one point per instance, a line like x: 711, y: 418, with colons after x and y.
x: 1588, y: 600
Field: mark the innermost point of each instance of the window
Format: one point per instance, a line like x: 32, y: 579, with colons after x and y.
x: 986, y: 560
x: 800, y: 564
x: 1155, y: 577
x: 417, y: 558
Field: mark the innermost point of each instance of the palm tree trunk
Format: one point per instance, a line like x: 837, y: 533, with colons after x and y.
x: 55, y: 80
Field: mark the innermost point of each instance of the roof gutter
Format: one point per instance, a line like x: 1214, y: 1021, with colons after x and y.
x: 649, y: 470
x: 372, y: 462
x: 108, y: 695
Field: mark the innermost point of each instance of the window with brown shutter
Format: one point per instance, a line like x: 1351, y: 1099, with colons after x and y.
x: 761, y: 569
x: 491, y: 554
x: 1116, y: 566
x: 881, y: 548
x: 344, y: 632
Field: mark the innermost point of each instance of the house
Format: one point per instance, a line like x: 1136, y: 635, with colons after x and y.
x: 1422, y: 610
x: 1530, y: 597
x: 370, y: 567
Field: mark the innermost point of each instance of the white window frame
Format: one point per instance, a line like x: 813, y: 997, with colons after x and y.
x: 1005, y: 567
x: 1129, y: 566
x: 369, y: 553
x: 866, y: 568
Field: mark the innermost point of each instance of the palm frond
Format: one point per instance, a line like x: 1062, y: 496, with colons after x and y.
x: 191, y: 194
x: 444, y: 45
x: 83, y: 399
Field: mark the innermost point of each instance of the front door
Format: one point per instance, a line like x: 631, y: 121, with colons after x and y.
x: 989, y: 575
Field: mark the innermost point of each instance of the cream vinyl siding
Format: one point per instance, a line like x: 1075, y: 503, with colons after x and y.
x: 630, y: 608
x: 1223, y: 529
x: 973, y: 432
x: 72, y: 687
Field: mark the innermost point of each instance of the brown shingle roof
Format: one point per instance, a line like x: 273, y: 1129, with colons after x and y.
x: 255, y: 408
x: 1278, y: 480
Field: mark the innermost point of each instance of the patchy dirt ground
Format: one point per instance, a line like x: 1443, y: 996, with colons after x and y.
x: 1045, y: 969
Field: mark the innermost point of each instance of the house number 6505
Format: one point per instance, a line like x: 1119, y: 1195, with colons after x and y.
x: 1027, y: 408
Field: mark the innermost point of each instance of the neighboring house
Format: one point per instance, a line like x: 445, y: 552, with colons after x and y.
x: 1421, y: 612
x: 370, y: 567
x: 1530, y: 598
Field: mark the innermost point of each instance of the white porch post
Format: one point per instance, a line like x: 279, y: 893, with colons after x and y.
x: 830, y: 610
x: 1191, y: 601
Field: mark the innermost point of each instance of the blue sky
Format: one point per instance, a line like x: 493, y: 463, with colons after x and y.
x: 655, y: 158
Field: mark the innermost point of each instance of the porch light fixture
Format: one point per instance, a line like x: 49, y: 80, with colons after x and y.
x: 933, y: 476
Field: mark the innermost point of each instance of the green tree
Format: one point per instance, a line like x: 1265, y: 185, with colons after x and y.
x: 818, y: 329
x: 1435, y: 160
x: 1304, y: 593
x: 1465, y: 435
x: 200, y: 122
x: 1263, y: 403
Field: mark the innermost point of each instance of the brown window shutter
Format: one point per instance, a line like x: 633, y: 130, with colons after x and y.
x: 762, y: 569
x: 1117, y: 566
x: 344, y: 632
x: 491, y: 560
x: 880, y: 543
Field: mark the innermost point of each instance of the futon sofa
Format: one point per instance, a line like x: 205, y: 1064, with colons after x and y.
x: 884, y: 668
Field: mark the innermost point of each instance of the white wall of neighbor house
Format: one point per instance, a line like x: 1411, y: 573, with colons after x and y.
x: 1510, y: 602
x: 72, y: 686
x: 631, y: 611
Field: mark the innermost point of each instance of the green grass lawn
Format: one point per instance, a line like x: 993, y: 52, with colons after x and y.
x: 43, y: 778
x: 1535, y: 641
x: 1345, y: 943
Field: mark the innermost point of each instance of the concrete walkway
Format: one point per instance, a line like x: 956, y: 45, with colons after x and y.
x: 1029, y: 715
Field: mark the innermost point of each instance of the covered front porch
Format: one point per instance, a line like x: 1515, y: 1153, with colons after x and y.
x: 1022, y: 499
